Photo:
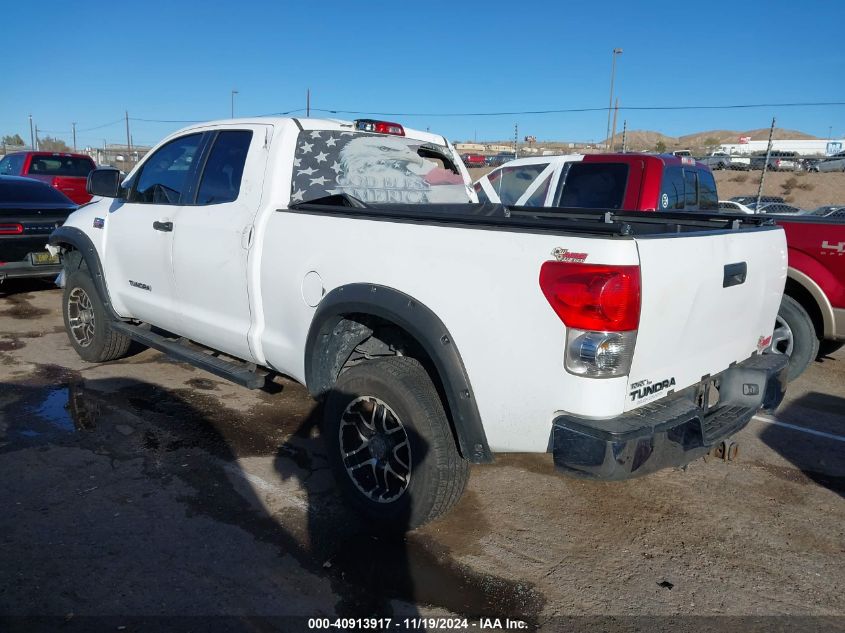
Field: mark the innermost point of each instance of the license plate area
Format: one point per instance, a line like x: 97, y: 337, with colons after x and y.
x: 45, y: 258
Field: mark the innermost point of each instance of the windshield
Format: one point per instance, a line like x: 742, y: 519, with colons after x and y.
x: 374, y: 168
x: 60, y: 166
x: 594, y: 186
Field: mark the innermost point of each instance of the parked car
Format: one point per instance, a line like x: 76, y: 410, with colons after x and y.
x: 632, y: 181
x: 812, y: 315
x: 619, y: 326
x: 752, y: 200
x: 717, y: 160
x: 29, y: 212
x: 500, y: 159
x: 778, y: 161
x: 474, y: 160
x: 729, y: 206
x: 834, y: 163
x: 830, y: 211
x: 61, y: 170
x: 779, y: 208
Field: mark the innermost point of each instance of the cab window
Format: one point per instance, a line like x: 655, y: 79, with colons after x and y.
x: 672, y: 190
x: 223, y: 171
x: 515, y: 180
x: 165, y: 175
x: 708, y: 198
x: 690, y: 189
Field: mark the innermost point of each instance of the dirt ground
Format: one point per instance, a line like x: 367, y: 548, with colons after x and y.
x: 801, y: 189
x: 145, y: 487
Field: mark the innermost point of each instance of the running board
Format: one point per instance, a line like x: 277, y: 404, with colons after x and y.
x: 241, y: 373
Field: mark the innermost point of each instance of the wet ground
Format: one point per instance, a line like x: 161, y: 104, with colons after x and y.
x: 145, y: 487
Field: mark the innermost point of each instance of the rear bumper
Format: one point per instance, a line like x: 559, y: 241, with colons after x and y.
x: 671, y: 431
x: 25, y: 269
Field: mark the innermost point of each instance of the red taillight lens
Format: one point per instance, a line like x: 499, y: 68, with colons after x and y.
x: 593, y: 296
x: 380, y: 127
x: 11, y: 229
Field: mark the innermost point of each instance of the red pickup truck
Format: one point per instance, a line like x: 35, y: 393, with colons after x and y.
x: 61, y: 170
x: 812, y: 313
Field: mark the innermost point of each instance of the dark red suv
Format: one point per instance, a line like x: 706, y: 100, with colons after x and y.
x: 66, y: 172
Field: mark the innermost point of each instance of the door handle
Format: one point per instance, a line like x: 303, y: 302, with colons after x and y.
x: 163, y: 226
x: 734, y: 274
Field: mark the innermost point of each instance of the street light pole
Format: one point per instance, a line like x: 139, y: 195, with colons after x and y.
x: 616, y: 51
x: 234, y: 92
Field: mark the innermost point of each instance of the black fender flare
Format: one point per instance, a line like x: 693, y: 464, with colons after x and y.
x: 69, y: 235
x: 420, y: 322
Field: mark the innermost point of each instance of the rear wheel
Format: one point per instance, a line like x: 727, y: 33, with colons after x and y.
x: 86, y: 322
x: 795, y: 336
x: 391, y: 446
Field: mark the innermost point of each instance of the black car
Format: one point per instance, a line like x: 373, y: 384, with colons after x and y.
x: 29, y: 211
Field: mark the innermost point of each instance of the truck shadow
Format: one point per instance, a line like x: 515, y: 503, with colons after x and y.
x: 185, y: 436
x: 821, y: 459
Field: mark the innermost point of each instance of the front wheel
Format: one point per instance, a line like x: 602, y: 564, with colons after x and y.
x: 391, y: 446
x: 795, y: 336
x: 87, y: 323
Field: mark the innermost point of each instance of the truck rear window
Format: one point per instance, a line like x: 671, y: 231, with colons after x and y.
x: 594, y: 186
x: 374, y: 168
x: 60, y: 166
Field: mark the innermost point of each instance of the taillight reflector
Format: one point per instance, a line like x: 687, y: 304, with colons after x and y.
x: 593, y: 296
x: 11, y: 229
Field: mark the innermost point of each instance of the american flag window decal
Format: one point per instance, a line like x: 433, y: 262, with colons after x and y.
x: 375, y: 168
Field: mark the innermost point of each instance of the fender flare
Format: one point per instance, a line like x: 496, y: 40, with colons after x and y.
x: 83, y: 244
x: 418, y: 321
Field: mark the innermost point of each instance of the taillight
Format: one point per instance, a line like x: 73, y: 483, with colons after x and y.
x: 600, y: 305
x: 11, y: 229
x: 593, y: 296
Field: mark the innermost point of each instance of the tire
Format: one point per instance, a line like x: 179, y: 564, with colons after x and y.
x: 795, y: 336
x: 87, y: 323
x: 401, y: 469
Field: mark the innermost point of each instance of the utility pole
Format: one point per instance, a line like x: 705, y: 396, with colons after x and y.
x: 128, y: 138
x: 515, y: 140
x: 36, y: 139
x: 31, y: 134
x: 308, y: 103
x: 766, y: 164
x: 616, y: 51
x: 234, y: 92
x: 624, y: 136
x: 613, y: 133
x: 74, y: 136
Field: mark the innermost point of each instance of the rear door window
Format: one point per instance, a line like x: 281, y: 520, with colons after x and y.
x: 221, y: 177
x: 514, y: 181
x: 75, y: 166
x: 594, y: 186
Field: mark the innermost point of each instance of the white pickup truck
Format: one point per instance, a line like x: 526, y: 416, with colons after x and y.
x: 437, y: 331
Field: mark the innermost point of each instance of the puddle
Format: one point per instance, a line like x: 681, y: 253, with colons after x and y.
x: 54, y: 411
x: 8, y: 344
x: 21, y: 308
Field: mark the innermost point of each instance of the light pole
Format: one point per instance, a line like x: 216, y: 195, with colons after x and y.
x: 234, y: 92
x: 616, y: 51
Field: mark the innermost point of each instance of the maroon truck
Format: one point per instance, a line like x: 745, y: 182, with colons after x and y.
x: 61, y: 170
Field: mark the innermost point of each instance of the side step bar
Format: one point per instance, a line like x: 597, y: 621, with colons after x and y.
x: 241, y: 373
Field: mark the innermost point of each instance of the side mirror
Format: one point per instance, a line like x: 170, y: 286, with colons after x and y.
x: 104, y: 182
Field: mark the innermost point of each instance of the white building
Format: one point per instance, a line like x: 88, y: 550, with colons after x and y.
x: 804, y: 147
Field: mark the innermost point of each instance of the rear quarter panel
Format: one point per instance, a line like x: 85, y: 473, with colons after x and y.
x: 817, y: 249
x: 483, y: 284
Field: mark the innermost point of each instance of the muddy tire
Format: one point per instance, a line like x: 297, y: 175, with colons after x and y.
x: 87, y: 323
x: 795, y: 336
x: 390, y: 444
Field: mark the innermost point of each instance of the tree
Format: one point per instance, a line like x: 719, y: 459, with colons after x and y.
x: 14, y: 139
x: 660, y: 147
x: 50, y: 144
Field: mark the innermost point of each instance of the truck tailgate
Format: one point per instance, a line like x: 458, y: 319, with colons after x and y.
x: 707, y: 301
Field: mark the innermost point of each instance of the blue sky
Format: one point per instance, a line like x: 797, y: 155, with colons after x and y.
x: 90, y: 61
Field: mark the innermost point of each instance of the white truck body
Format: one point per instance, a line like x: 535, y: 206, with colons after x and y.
x: 248, y: 277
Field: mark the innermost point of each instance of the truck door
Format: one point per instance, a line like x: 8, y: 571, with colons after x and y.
x: 212, y: 238
x: 139, y: 234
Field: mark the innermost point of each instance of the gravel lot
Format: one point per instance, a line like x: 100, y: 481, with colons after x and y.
x: 146, y: 487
